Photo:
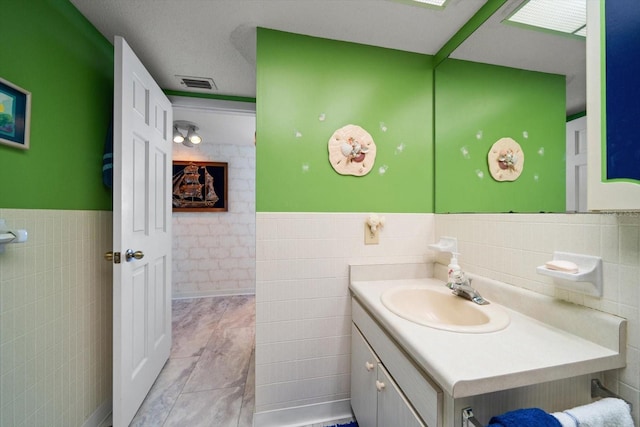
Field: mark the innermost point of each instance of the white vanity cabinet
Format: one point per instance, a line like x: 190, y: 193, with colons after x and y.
x: 544, y: 358
x: 387, y: 389
x: 393, y: 407
x: 364, y: 374
x: 376, y: 399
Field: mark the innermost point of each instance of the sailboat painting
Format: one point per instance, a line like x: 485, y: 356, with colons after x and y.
x: 199, y: 186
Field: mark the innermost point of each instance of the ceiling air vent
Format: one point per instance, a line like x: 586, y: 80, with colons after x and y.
x: 201, y: 83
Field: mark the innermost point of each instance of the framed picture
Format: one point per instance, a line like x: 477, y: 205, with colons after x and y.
x: 199, y: 186
x: 15, y: 115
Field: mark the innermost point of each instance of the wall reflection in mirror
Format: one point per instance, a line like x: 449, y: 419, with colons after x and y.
x: 519, y: 83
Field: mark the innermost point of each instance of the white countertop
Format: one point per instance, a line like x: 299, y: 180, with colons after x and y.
x: 526, y: 352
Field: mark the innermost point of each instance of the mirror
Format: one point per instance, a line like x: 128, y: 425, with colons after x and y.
x: 507, y: 45
x: 513, y: 46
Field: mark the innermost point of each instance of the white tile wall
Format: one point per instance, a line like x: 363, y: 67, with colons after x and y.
x: 55, y: 318
x: 508, y: 247
x: 303, y: 316
x: 214, y: 252
x: 55, y: 297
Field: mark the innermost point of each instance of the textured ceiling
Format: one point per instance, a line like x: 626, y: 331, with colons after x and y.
x: 511, y: 46
x: 217, y: 38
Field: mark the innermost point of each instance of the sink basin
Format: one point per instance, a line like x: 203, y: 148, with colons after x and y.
x: 440, y: 309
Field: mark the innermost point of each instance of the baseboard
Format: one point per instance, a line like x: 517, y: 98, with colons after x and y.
x: 215, y: 293
x: 304, y: 415
x: 99, y: 415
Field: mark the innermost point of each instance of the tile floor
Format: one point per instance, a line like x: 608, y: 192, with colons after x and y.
x: 209, y: 378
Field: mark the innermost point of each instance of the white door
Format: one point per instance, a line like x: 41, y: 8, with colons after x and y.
x: 141, y: 222
x: 576, y: 161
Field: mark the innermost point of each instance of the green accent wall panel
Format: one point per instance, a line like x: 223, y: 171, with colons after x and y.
x: 309, y: 87
x: 476, y: 105
x: 51, y: 50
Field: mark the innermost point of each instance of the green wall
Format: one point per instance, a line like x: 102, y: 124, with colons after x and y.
x: 476, y: 105
x: 50, y: 50
x: 299, y: 78
x: 61, y: 58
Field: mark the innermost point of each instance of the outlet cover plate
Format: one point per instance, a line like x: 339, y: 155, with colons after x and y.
x: 369, y: 237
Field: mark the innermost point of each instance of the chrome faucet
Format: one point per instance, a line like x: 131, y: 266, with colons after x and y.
x: 461, y: 286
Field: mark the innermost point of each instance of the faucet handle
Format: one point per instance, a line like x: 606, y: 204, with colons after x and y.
x: 457, y: 277
x: 479, y: 300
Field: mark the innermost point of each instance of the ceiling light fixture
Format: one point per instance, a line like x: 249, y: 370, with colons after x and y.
x: 567, y: 16
x: 192, y: 138
x: 178, y: 138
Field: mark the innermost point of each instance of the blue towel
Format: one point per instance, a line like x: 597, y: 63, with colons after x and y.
x: 349, y: 424
x: 107, y: 157
x: 530, y: 417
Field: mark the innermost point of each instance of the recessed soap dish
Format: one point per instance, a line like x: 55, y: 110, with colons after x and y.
x: 588, y: 279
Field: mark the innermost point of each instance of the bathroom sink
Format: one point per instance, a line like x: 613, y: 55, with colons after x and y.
x: 440, y: 309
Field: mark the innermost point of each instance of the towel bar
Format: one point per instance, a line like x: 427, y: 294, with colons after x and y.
x: 598, y: 390
x: 468, y: 420
x: 10, y: 236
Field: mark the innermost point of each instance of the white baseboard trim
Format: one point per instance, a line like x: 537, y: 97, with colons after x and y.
x: 214, y: 293
x: 99, y: 415
x: 304, y: 415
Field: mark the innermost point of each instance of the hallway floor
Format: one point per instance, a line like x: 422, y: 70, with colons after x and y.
x: 209, y: 378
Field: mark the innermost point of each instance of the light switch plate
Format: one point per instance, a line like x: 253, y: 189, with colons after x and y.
x: 369, y: 237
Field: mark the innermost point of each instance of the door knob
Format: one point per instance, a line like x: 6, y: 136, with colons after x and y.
x: 130, y: 255
x: 368, y: 366
x: 380, y: 385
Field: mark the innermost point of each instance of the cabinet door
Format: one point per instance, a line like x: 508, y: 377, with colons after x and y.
x: 393, y: 409
x: 364, y: 368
